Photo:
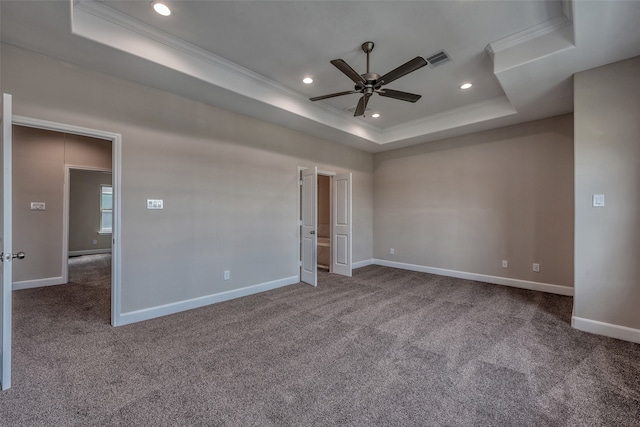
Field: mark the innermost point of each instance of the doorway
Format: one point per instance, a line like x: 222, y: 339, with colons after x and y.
x: 88, y: 215
x: 88, y: 223
x: 325, y: 223
x: 114, y: 142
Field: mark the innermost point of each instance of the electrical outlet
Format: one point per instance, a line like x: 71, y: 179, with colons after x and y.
x: 227, y: 275
x: 536, y: 267
x: 392, y: 251
x: 505, y: 263
x: 95, y: 242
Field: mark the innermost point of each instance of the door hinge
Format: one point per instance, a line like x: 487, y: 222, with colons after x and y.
x: 300, y: 183
x: 299, y: 263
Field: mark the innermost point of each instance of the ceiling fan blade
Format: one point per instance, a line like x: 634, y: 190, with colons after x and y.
x: 331, y: 95
x: 362, y: 105
x: 404, y: 69
x: 348, y: 71
x: 396, y: 94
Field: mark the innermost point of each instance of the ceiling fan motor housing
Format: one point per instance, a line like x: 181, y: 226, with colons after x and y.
x: 369, y: 86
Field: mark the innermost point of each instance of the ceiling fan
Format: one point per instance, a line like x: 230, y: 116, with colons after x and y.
x: 369, y: 83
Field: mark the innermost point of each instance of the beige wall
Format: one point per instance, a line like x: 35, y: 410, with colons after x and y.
x: 607, y: 161
x: 84, y: 211
x: 39, y: 159
x: 228, y: 182
x: 467, y: 203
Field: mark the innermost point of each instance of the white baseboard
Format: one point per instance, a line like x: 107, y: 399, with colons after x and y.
x: 176, y: 307
x: 38, y: 283
x: 516, y: 283
x: 364, y: 263
x: 606, y: 329
x: 90, y: 252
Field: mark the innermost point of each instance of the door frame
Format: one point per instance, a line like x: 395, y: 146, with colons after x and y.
x: 116, y: 167
x: 330, y: 174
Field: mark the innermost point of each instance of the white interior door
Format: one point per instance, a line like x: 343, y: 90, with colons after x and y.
x: 5, y: 236
x: 341, y: 239
x: 309, y: 238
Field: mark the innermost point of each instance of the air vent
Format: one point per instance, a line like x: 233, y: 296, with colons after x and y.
x: 438, y: 58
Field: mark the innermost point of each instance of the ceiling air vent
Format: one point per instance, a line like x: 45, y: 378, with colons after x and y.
x: 438, y: 58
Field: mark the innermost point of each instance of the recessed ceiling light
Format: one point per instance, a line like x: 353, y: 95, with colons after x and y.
x: 307, y: 80
x: 465, y: 86
x: 375, y: 115
x: 161, y: 8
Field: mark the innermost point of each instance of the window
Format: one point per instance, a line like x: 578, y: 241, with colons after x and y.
x: 106, y: 208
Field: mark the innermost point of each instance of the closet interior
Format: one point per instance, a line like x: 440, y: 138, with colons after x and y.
x: 324, y: 222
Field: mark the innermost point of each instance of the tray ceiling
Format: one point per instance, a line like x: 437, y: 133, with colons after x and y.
x: 250, y: 57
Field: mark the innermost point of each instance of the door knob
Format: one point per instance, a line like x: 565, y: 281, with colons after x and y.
x: 8, y: 257
x: 312, y: 232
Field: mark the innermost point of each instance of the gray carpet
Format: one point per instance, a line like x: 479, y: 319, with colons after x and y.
x: 384, y: 348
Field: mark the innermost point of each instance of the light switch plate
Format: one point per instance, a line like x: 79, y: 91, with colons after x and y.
x: 38, y: 206
x: 598, y: 200
x: 155, y: 204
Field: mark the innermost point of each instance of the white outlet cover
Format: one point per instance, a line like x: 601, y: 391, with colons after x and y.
x: 155, y: 204
x: 598, y: 200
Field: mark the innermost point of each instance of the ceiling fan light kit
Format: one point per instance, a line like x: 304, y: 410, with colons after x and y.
x: 369, y: 83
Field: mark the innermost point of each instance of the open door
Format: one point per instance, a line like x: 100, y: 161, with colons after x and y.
x: 6, y: 256
x: 341, y: 238
x: 309, y: 238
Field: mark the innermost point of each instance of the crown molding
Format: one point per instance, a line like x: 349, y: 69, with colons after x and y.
x: 489, y: 109
x: 567, y: 9
x: 529, y: 34
x: 115, y: 17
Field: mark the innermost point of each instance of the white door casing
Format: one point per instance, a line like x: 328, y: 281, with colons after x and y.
x: 5, y: 236
x: 341, y: 239
x: 309, y: 217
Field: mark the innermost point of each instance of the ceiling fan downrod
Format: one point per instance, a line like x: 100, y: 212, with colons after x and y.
x: 369, y: 86
x: 367, y: 47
